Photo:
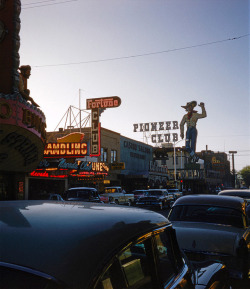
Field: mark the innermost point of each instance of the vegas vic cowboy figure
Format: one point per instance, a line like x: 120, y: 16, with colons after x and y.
x: 191, y: 118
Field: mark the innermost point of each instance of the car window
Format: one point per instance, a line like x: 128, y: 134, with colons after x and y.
x: 155, y: 193
x: 207, y: 214
x: 167, y: 269
x: 131, y: 269
x: 147, y: 264
x: 110, y: 190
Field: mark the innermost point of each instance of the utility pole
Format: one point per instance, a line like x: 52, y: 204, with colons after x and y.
x: 233, y: 152
x: 80, y: 114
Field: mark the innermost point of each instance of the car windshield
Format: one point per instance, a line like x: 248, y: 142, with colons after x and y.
x: 139, y: 193
x: 207, y: 214
x: 154, y: 193
x: 110, y: 190
x: 83, y: 194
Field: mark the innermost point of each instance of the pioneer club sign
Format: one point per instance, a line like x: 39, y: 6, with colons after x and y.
x: 159, y: 131
x: 97, y: 105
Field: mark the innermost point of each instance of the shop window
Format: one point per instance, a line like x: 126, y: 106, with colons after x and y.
x: 113, y: 156
x: 104, y: 155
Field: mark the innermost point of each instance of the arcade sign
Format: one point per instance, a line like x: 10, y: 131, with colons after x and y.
x: 97, y: 105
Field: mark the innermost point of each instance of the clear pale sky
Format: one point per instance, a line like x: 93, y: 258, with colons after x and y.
x: 156, y: 55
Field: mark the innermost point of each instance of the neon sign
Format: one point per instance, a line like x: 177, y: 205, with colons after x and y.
x: 66, y: 150
x: 96, y: 105
x: 106, y: 102
x: 47, y: 175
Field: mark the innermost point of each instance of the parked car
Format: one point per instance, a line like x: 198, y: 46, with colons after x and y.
x: 55, y: 197
x: 83, y: 194
x: 156, y: 198
x: 95, y: 246
x: 118, y: 195
x: 176, y: 193
x: 138, y: 194
x: 245, y: 194
x: 242, y: 193
x: 214, y: 227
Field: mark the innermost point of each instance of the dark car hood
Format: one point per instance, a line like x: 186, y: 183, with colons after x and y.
x: 150, y: 198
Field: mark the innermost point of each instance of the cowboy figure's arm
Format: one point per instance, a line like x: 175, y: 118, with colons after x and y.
x: 203, y: 111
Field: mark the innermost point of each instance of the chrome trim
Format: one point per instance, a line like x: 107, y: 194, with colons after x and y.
x: 173, y: 283
x: 29, y: 270
x: 206, y: 253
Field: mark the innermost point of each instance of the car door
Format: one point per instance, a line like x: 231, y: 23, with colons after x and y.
x: 147, y: 263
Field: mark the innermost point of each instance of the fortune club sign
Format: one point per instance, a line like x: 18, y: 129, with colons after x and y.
x: 97, y: 105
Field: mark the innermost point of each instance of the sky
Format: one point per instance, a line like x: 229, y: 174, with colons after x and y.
x: 156, y: 55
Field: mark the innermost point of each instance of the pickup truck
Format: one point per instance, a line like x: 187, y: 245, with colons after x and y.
x: 118, y: 195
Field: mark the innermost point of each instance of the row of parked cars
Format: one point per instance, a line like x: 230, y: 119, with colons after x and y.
x: 59, y: 245
x: 46, y: 244
x: 152, y: 198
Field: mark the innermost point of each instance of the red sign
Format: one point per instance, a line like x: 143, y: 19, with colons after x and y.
x: 96, y: 105
x: 106, y: 102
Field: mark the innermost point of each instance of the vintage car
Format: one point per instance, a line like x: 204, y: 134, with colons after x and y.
x: 156, y: 198
x: 245, y: 194
x: 118, y: 195
x: 60, y: 245
x: 138, y: 194
x: 55, y: 197
x: 176, y: 193
x: 214, y: 227
x: 83, y: 194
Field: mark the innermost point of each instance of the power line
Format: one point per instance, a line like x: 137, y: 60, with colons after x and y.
x: 35, y: 3
x: 144, y: 54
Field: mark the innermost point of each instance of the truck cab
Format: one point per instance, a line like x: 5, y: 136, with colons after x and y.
x: 118, y: 195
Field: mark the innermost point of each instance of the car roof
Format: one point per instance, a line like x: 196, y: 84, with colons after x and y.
x: 69, y: 241
x: 240, y: 193
x: 81, y: 188
x: 212, y: 200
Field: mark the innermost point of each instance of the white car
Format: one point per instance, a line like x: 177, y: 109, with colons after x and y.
x: 176, y: 193
x: 212, y: 227
x: 118, y: 195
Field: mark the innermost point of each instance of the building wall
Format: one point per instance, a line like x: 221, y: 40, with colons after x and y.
x: 136, y: 155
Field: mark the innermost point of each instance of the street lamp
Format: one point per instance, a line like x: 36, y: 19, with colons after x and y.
x: 175, y: 162
x: 233, y: 152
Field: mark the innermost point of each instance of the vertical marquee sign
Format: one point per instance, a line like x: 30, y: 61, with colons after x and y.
x: 97, y: 105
